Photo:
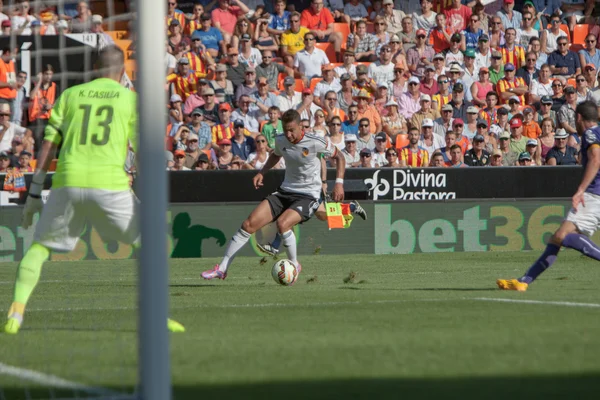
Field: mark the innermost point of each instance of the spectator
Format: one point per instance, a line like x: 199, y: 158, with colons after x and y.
x: 470, y: 128
x: 226, y: 128
x: 511, y: 85
x: 224, y: 154
x: 308, y: 62
x: 259, y: 158
x: 249, y: 86
x: 524, y: 159
x: 536, y: 47
x: 496, y: 70
x: 225, y: 16
x: 502, y: 119
x: 470, y: 74
x: 24, y: 159
x: 518, y: 142
x: 481, y: 88
x: 444, y: 124
x: 347, y: 66
x: 350, y: 126
x: 4, y: 162
x: 194, y: 21
x: 458, y: 15
x: 458, y: 103
x: 280, y: 19
x: 589, y: 72
x: 471, y: 35
x: 176, y: 39
x: 270, y: 70
x: 546, y: 139
x: 413, y: 155
x: 8, y: 82
x: 558, y: 96
x: 242, y: 145
x: 483, y: 54
x: 399, y: 84
x: 351, y: 155
x: 363, y: 82
x: 365, y: 139
x: 511, y: 52
x: 382, y: 71
x: 528, y: 72
x: 440, y: 36
x: 192, y: 152
x: 250, y: 56
x: 590, y: 55
x: 420, y: 56
x: 172, y: 12
x: 477, y: 156
x: 514, y: 106
x: 289, y: 98
x: 509, y: 156
x: 496, y: 33
x: 202, y: 164
x: 378, y: 153
x: 17, y: 148
x: 331, y: 108
x: 355, y: 10
x: 272, y: 128
x: 425, y: 112
x: 319, y: 127
x: 425, y: 18
x: 307, y: 108
x: 450, y: 140
x: 381, y: 35
x: 175, y: 113
x: 335, y: 133
x: 458, y: 126
x: 509, y: 17
x: 292, y: 40
x: 366, y: 159
x: 409, y: 102
x: 496, y: 159
x: 328, y: 83
x: 184, y: 82
x: 211, y: 37
x: 561, y: 154
x: 6, y: 27
x: 489, y: 112
x: 527, y: 32
x: 363, y: 44
x: 320, y: 21
x: 391, y: 156
x: 209, y: 109
x: 456, y: 157
x: 430, y: 141
x: 263, y: 99
x: 541, y: 85
x: 392, y: 18
x: 248, y: 115
x: 566, y: 114
x: 194, y: 100
x: 551, y: 36
x: 531, y: 129
x: 443, y: 95
x: 564, y: 62
x: 20, y: 101
x: 583, y: 92
x: 531, y: 148
x: 490, y: 141
x: 199, y: 131
x: 429, y: 86
x: 180, y: 140
x: 366, y: 110
x: 454, y: 55
x: 222, y: 86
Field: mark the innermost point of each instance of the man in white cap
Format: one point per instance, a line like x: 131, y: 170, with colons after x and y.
x: 561, y: 154
x: 425, y: 112
x: 409, y: 101
x: 430, y: 141
x: 444, y: 123
x: 351, y: 155
x: 378, y: 152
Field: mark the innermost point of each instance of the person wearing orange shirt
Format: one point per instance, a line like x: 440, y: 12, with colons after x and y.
x: 331, y: 107
x: 413, y: 155
x: 366, y: 110
x: 440, y: 35
x: 458, y: 125
x: 184, y: 82
x: 42, y: 99
x: 531, y: 129
x: 320, y: 21
x: 8, y: 78
x: 510, y: 85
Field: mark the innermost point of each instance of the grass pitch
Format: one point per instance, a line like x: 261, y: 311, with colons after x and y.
x: 353, y: 327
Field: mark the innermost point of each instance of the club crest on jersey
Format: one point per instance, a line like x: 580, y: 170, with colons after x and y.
x: 304, y: 152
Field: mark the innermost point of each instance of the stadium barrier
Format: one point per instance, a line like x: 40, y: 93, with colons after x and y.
x: 201, y: 230
x: 377, y: 185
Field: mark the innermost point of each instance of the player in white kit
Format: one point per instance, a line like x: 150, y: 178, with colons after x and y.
x: 297, y: 198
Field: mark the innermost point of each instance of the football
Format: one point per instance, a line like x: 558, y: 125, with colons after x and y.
x: 284, y: 272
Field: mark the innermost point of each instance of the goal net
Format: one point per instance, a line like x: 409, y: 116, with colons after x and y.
x: 80, y: 333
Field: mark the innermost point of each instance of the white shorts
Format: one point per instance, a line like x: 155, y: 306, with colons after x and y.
x: 112, y: 213
x: 586, y: 218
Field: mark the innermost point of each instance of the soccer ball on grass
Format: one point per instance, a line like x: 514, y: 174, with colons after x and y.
x: 284, y: 272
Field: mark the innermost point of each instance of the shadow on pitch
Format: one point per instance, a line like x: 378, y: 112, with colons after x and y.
x: 551, y: 387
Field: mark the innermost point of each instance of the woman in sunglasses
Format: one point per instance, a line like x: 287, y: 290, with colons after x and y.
x: 583, y: 91
x: 391, y: 155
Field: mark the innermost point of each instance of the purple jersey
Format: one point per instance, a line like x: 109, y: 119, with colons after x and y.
x: 591, y: 137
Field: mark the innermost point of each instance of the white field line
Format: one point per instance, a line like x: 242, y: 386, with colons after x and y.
x: 55, y: 381
x: 540, y: 302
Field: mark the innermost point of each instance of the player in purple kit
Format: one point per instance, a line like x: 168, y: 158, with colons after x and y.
x: 584, y: 218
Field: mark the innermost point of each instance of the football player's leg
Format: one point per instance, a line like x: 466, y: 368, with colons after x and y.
x: 58, y: 229
x: 587, y: 222
x: 285, y: 225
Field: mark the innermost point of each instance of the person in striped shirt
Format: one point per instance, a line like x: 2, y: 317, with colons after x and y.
x: 490, y: 113
x: 184, y: 82
x: 510, y: 85
x: 511, y: 52
x: 413, y: 155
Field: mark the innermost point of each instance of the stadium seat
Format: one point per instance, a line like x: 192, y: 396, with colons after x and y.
x: 370, y: 27
x: 328, y: 49
x: 571, y: 82
x: 343, y: 28
x: 579, y: 33
x: 280, y: 79
x: 313, y: 84
x: 299, y: 85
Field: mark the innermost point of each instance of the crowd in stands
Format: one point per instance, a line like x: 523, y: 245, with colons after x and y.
x: 391, y: 83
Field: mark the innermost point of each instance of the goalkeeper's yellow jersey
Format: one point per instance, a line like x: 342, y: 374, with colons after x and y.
x: 95, y: 122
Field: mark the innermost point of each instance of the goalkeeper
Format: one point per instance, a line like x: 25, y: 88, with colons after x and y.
x: 94, y: 122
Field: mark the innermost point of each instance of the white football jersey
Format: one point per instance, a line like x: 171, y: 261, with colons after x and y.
x: 303, y: 163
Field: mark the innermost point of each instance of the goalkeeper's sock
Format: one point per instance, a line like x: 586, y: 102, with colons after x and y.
x: 236, y: 243
x: 28, y: 275
x: 289, y: 242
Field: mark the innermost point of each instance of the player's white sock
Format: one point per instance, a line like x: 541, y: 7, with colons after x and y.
x: 235, y: 244
x: 289, y: 242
